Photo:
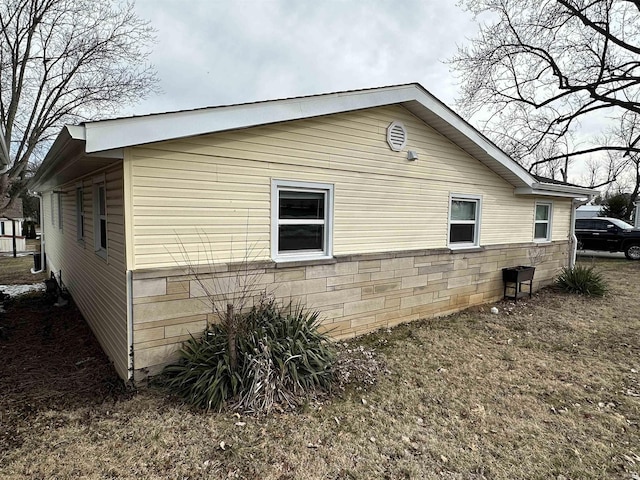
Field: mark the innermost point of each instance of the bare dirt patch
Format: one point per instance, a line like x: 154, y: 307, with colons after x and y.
x: 548, y: 388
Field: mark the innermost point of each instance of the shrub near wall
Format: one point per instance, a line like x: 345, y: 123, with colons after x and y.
x: 281, y: 358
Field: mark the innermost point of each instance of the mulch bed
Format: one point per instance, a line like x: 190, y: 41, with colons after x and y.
x: 50, y: 360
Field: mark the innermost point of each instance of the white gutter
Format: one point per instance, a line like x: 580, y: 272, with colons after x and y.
x: 556, y: 190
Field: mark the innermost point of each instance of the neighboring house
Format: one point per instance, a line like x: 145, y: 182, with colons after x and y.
x: 12, y: 218
x: 376, y: 207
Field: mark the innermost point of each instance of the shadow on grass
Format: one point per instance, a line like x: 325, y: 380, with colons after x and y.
x: 51, y: 360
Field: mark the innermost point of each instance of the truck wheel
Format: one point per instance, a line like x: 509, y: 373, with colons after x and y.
x: 632, y: 252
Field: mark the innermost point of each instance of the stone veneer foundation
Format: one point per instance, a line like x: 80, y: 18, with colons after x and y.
x: 356, y: 294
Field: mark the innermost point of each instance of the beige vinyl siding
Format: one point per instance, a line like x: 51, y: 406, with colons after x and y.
x: 217, y: 188
x: 98, y: 286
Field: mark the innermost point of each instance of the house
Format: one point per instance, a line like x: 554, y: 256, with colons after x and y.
x: 10, y: 222
x: 375, y: 206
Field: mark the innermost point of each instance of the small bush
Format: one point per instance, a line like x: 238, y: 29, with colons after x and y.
x: 583, y: 280
x: 281, y: 359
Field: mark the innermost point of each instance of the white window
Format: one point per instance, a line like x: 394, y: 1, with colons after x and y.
x: 59, y: 210
x: 53, y: 217
x: 79, y: 213
x: 464, y: 221
x: 100, y: 218
x: 542, y: 223
x: 302, y: 220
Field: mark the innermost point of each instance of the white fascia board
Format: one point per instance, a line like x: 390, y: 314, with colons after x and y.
x: 118, y: 133
x: 110, y: 134
x: 463, y: 127
x: 76, y: 132
x: 555, y: 190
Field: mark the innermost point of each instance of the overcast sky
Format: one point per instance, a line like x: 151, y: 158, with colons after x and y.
x: 214, y: 52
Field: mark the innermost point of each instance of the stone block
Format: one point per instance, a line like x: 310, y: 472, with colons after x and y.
x: 290, y: 275
x: 191, y: 328
x: 383, y: 275
x: 361, y: 306
x: 386, y: 287
x: 148, y: 334
x: 149, y: 312
x: 396, y: 264
x: 332, y: 298
x: 178, y: 287
x: 459, y: 281
x: 161, y: 355
x: 369, y: 266
x: 415, y: 281
x: 421, y: 299
x: 299, y: 287
x: 406, y: 272
x: 333, y: 270
x: 151, y: 287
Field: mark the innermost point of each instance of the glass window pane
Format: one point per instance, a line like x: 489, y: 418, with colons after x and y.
x: 102, y: 200
x: 462, y: 233
x: 300, y: 237
x: 103, y: 233
x: 301, y: 205
x: 463, y: 210
x: 541, y: 230
x: 542, y: 212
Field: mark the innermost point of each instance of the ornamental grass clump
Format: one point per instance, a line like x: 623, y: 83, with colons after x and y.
x: 281, y: 358
x: 582, y: 280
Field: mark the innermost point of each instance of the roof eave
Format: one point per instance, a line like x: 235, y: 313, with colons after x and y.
x: 71, y: 136
x: 555, y: 190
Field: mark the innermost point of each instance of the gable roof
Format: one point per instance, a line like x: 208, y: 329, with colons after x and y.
x: 106, y: 138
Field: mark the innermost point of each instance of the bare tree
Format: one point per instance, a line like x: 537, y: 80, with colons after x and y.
x: 545, y: 74
x: 65, y: 61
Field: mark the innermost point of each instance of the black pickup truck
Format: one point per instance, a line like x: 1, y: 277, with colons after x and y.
x: 608, y: 235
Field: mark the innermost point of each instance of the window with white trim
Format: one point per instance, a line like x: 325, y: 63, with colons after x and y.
x: 59, y: 211
x: 464, y: 221
x: 79, y: 213
x: 542, y: 222
x: 52, y: 199
x: 302, y: 216
x: 100, y: 218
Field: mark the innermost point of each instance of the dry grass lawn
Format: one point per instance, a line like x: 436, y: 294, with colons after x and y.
x: 18, y: 270
x: 549, y: 388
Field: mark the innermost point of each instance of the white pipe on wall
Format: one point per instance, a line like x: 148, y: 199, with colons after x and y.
x: 43, y: 265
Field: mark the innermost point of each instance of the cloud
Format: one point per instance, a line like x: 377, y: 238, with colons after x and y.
x: 214, y: 52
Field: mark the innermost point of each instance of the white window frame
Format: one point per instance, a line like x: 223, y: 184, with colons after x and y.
x: 60, y: 217
x: 548, y: 222
x: 285, y: 185
x: 53, y: 211
x: 99, y: 249
x: 80, y: 217
x: 478, y: 221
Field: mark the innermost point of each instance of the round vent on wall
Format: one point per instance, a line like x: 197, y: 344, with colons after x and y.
x: 396, y: 136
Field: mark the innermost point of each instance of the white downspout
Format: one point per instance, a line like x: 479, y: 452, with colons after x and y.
x: 43, y: 266
x: 130, y: 323
x: 572, y: 230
